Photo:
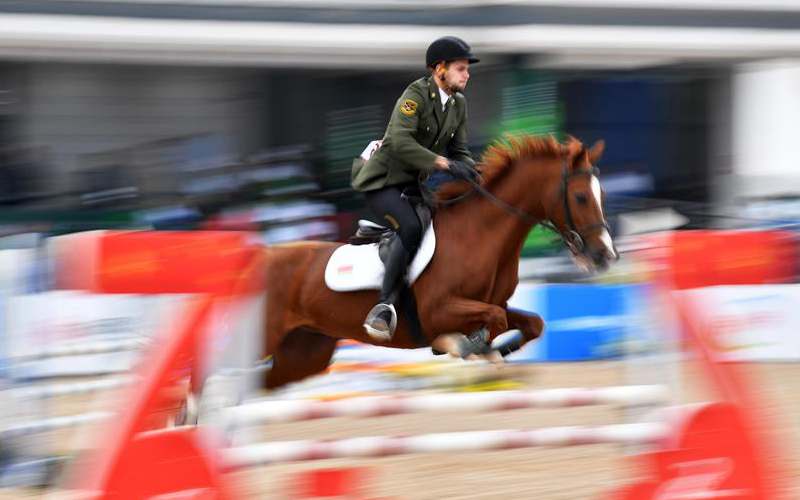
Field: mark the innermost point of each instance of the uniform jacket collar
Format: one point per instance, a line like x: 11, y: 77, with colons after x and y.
x: 434, y: 97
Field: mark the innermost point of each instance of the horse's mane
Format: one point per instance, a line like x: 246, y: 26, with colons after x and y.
x: 498, y: 158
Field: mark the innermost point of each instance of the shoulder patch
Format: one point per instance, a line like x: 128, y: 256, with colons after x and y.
x: 408, y: 107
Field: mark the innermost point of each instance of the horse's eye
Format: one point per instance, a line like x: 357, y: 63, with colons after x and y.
x: 581, y: 198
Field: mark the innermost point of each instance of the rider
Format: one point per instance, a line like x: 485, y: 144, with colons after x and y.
x: 426, y: 133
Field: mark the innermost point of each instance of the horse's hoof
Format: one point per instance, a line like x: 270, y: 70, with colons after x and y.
x: 495, y: 357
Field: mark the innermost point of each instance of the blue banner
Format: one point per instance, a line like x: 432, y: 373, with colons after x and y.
x: 582, y: 322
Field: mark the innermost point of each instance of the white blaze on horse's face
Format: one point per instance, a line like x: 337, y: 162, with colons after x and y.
x: 605, y: 238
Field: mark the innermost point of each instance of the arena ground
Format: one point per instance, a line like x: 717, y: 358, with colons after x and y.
x: 543, y: 474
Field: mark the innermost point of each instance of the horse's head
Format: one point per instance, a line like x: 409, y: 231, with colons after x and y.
x: 576, y: 208
x: 562, y: 189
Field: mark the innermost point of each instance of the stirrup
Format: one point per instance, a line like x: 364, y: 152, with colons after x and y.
x: 373, y: 314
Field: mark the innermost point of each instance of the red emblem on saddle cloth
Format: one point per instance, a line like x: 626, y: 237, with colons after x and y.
x: 346, y: 269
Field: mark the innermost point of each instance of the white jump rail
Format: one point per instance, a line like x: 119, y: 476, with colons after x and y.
x: 383, y: 446
x: 273, y: 411
x: 100, y: 347
x: 51, y: 424
x: 70, y: 388
x: 261, y: 367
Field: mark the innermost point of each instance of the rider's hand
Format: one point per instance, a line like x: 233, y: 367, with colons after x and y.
x: 463, y: 170
x: 441, y: 163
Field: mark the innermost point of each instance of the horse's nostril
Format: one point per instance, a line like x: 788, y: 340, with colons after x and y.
x: 605, y: 253
x: 603, y: 256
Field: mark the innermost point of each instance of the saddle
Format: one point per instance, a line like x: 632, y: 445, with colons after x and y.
x: 369, y: 232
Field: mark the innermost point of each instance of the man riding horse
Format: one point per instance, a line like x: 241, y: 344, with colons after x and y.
x: 427, y: 133
x: 466, y: 270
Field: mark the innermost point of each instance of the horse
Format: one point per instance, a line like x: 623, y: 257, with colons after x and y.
x: 525, y: 180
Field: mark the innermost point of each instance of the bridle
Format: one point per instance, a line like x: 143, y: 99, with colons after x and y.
x: 573, y: 237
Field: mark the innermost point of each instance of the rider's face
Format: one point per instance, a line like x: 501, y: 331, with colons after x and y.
x: 456, y: 75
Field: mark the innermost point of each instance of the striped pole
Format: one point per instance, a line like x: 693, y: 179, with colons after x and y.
x: 71, y: 388
x: 100, y: 347
x: 50, y: 424
x: 272, y: 411
x: 383, y: 446
x: 260, y: 367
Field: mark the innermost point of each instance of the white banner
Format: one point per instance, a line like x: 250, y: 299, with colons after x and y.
x: 752, y: 323
x: 68, y: 320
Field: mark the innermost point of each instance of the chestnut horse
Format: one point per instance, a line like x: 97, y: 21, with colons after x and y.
x: 474, y: 269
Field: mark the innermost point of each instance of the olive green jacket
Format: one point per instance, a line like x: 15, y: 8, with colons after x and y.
x: 417, y: 133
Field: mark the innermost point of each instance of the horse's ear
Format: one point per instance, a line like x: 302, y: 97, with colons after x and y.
x: 596, y: 151
x: 572, y: 149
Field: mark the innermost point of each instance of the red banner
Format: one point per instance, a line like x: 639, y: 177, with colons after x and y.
x: 706, y: 258
x: 153, y: 262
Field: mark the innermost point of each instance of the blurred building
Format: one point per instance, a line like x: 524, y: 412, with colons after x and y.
x: 162, y: 100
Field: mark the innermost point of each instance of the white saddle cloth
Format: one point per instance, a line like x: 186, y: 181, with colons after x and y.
x: 358, y: 267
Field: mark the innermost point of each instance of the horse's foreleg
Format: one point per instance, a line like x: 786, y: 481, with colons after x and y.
x: 466, y: 315
x: 529, y: 324
x: 472, y: 315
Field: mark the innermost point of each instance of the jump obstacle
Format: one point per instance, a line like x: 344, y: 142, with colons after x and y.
x: 28, y: 400
x: 693, y: 455
x: 273, y: 411
x: 384, y: 446
x: 82, y: 349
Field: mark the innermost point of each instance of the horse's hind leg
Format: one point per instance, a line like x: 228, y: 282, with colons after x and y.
x: 301, y: 353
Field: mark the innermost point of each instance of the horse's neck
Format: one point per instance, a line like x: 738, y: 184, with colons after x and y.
x: 494, y: 227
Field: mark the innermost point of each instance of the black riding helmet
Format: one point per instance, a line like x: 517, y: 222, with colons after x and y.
x: 448, y: 48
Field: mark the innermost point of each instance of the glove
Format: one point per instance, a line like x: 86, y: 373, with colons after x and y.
x: 463, y: 170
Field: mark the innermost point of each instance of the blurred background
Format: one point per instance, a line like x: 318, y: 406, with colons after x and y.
x: 247, y: 114
x: 202, y: 113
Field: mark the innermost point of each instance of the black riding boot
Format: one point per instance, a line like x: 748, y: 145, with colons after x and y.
x: 382, y: 319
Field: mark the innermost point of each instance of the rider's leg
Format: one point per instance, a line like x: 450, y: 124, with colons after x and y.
x: 397, y: 259
x: 400, y: 215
